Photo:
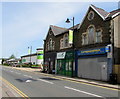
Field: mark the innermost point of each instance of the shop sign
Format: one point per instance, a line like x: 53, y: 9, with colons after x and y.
x: 70, y: 36
x: 40, y: 57
x: 70, y: 54
x: 92, y: 51
x: 109, y: 51
x: 61, y: 55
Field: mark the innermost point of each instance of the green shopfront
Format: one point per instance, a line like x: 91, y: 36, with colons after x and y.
x: 65, y: 63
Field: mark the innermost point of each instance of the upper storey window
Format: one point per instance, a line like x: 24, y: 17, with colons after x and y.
x: 66, y: 40
x: 91, y: 33
x: 99, y: 36
x: 61, y: 43
x: 50, y: 45
x: 84, y: 39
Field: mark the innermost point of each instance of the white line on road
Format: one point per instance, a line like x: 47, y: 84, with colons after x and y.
x: 17, y: 73
x: 27, y: 76
x: 46, y: 81
x: 83, y: 92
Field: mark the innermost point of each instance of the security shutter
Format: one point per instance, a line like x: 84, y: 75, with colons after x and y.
x: 92, y: 68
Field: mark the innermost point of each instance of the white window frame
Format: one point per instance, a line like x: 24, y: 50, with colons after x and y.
x: 100, y: 36
x: 64, y: 41
x: 61, y: 43
x: 83, y: 40
x: 94, y: 33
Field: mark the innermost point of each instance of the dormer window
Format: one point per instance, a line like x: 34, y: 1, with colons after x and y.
x: 90, y: 15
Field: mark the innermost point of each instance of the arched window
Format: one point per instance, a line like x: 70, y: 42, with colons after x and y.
x: 91, y: 33
x: 66, y: 40
x: 50, y: 44
x: 84, y: 39
x: 53, y: 45
x: 61, y: 43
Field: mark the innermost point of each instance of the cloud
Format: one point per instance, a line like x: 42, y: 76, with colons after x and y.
x: 32, y: 22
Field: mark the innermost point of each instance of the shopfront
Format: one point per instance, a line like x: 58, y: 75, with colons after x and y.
x: 65, y: 63
x: 93, y: 64
x: 49, y: 62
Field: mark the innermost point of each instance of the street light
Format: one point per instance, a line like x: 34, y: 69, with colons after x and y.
x: 30, y: 52
x: 68, y: 21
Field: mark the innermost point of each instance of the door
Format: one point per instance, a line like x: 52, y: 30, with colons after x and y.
x: 104, y: 71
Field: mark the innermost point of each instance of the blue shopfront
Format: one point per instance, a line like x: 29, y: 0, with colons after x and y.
x: 94, y: 63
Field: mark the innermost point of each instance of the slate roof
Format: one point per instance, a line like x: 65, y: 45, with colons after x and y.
x: 57, y: 30
x: 75, y: 27
x: 112, y: 13
x: 100, y: 11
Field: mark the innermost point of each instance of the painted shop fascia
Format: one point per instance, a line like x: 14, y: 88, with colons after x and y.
x: 94, y: 63
x: 65, y: 63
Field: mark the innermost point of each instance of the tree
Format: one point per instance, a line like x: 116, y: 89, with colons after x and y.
x: 12, y: 56
x: 3, y: 60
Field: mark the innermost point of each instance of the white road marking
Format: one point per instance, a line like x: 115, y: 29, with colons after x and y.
x: 46, y: 81
x: 17, y: 73
x: 28, y: 81
x: 83, y: 92
x: 11, y: 71
x: 27, y: 76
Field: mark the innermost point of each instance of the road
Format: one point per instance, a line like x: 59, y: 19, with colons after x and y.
x: 38, y: 85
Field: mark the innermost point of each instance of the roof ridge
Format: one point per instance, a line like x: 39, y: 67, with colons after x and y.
x: 57, y: 27
x: 98, y: 7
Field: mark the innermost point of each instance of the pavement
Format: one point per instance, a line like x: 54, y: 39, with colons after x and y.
x: 87, y: 81
x: 7, y: 91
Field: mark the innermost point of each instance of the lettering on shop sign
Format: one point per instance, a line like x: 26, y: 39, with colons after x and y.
x: 92, y: 51
x: 61, y: 55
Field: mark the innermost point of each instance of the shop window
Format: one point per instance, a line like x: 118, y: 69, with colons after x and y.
x: 67, y: 66
x: 91, y: 33
x: 84, y: 39
x: 98, y: 36
x: 70, y: 65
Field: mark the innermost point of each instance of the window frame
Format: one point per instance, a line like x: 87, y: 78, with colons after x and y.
x: 83, y: 40
x: 93, y: 35
x: 96, y: 36
x: 65, y: 37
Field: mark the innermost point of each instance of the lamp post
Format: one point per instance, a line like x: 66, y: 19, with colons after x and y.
x: 30, y: 52
x: 68, y: 21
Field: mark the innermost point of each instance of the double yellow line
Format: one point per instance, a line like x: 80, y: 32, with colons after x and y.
x: 15, y: 89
